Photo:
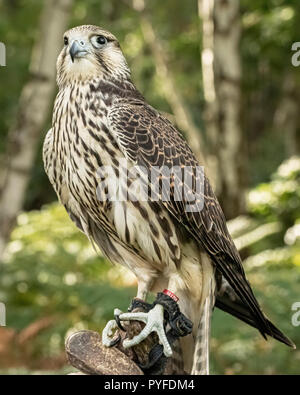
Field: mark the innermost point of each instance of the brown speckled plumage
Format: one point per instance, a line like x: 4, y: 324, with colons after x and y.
x: 100, y: 119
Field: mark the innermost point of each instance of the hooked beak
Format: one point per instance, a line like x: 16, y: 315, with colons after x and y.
x: 77, y: 50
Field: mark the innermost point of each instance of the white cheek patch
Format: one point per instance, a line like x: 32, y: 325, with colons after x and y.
x: 116, y: 59
x: 83, y: 67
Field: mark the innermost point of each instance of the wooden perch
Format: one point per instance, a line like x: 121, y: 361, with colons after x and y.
x: 86, y: 352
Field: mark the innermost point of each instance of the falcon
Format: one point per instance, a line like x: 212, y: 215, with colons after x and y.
x: 169, y: 240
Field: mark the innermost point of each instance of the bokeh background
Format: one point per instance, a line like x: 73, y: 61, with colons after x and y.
x: 222, y: 71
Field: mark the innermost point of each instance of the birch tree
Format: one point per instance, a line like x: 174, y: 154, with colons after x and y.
x: 286, y: 118
x: 182, y: 115
x: 221, y: 71
x: 33, y: 110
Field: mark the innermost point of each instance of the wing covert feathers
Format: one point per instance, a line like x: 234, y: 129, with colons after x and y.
x: 149, y: 139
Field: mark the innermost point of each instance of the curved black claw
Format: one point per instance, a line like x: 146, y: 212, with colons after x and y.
x: 117, y: 319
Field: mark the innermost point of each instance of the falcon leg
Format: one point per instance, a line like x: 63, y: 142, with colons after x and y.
x: 143, y: 289
x: 164, y: 311
x: 154, y: 321
x: 113, y: 325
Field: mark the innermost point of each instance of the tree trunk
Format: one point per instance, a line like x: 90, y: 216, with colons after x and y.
x: 183, y: 117
x: 286, y: 118
x: 32, y: 113
x: 221, y: 71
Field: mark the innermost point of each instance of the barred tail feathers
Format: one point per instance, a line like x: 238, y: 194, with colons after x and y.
x: 201, y: 353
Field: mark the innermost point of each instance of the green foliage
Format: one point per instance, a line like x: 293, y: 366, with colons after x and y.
x: 269, y: 29
x: 51, y: 269
x: 279, y: 199
x: 18, y: 27
x: 238, y: 348
x: 273, y: 269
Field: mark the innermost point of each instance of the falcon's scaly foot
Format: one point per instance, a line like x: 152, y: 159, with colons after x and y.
x: 154, y: 321
x: 109, y: 330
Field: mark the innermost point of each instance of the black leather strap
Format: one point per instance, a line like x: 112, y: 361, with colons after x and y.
x: 179, y: 324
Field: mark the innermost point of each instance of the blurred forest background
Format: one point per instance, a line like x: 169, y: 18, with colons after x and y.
x: 221, y: 70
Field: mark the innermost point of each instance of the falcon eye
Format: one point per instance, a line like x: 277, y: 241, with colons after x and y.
x: 101, y: 40
x: 66, y: 41
x: 98, y: 41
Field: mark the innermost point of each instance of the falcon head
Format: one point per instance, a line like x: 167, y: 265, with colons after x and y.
x: 90, y: 52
